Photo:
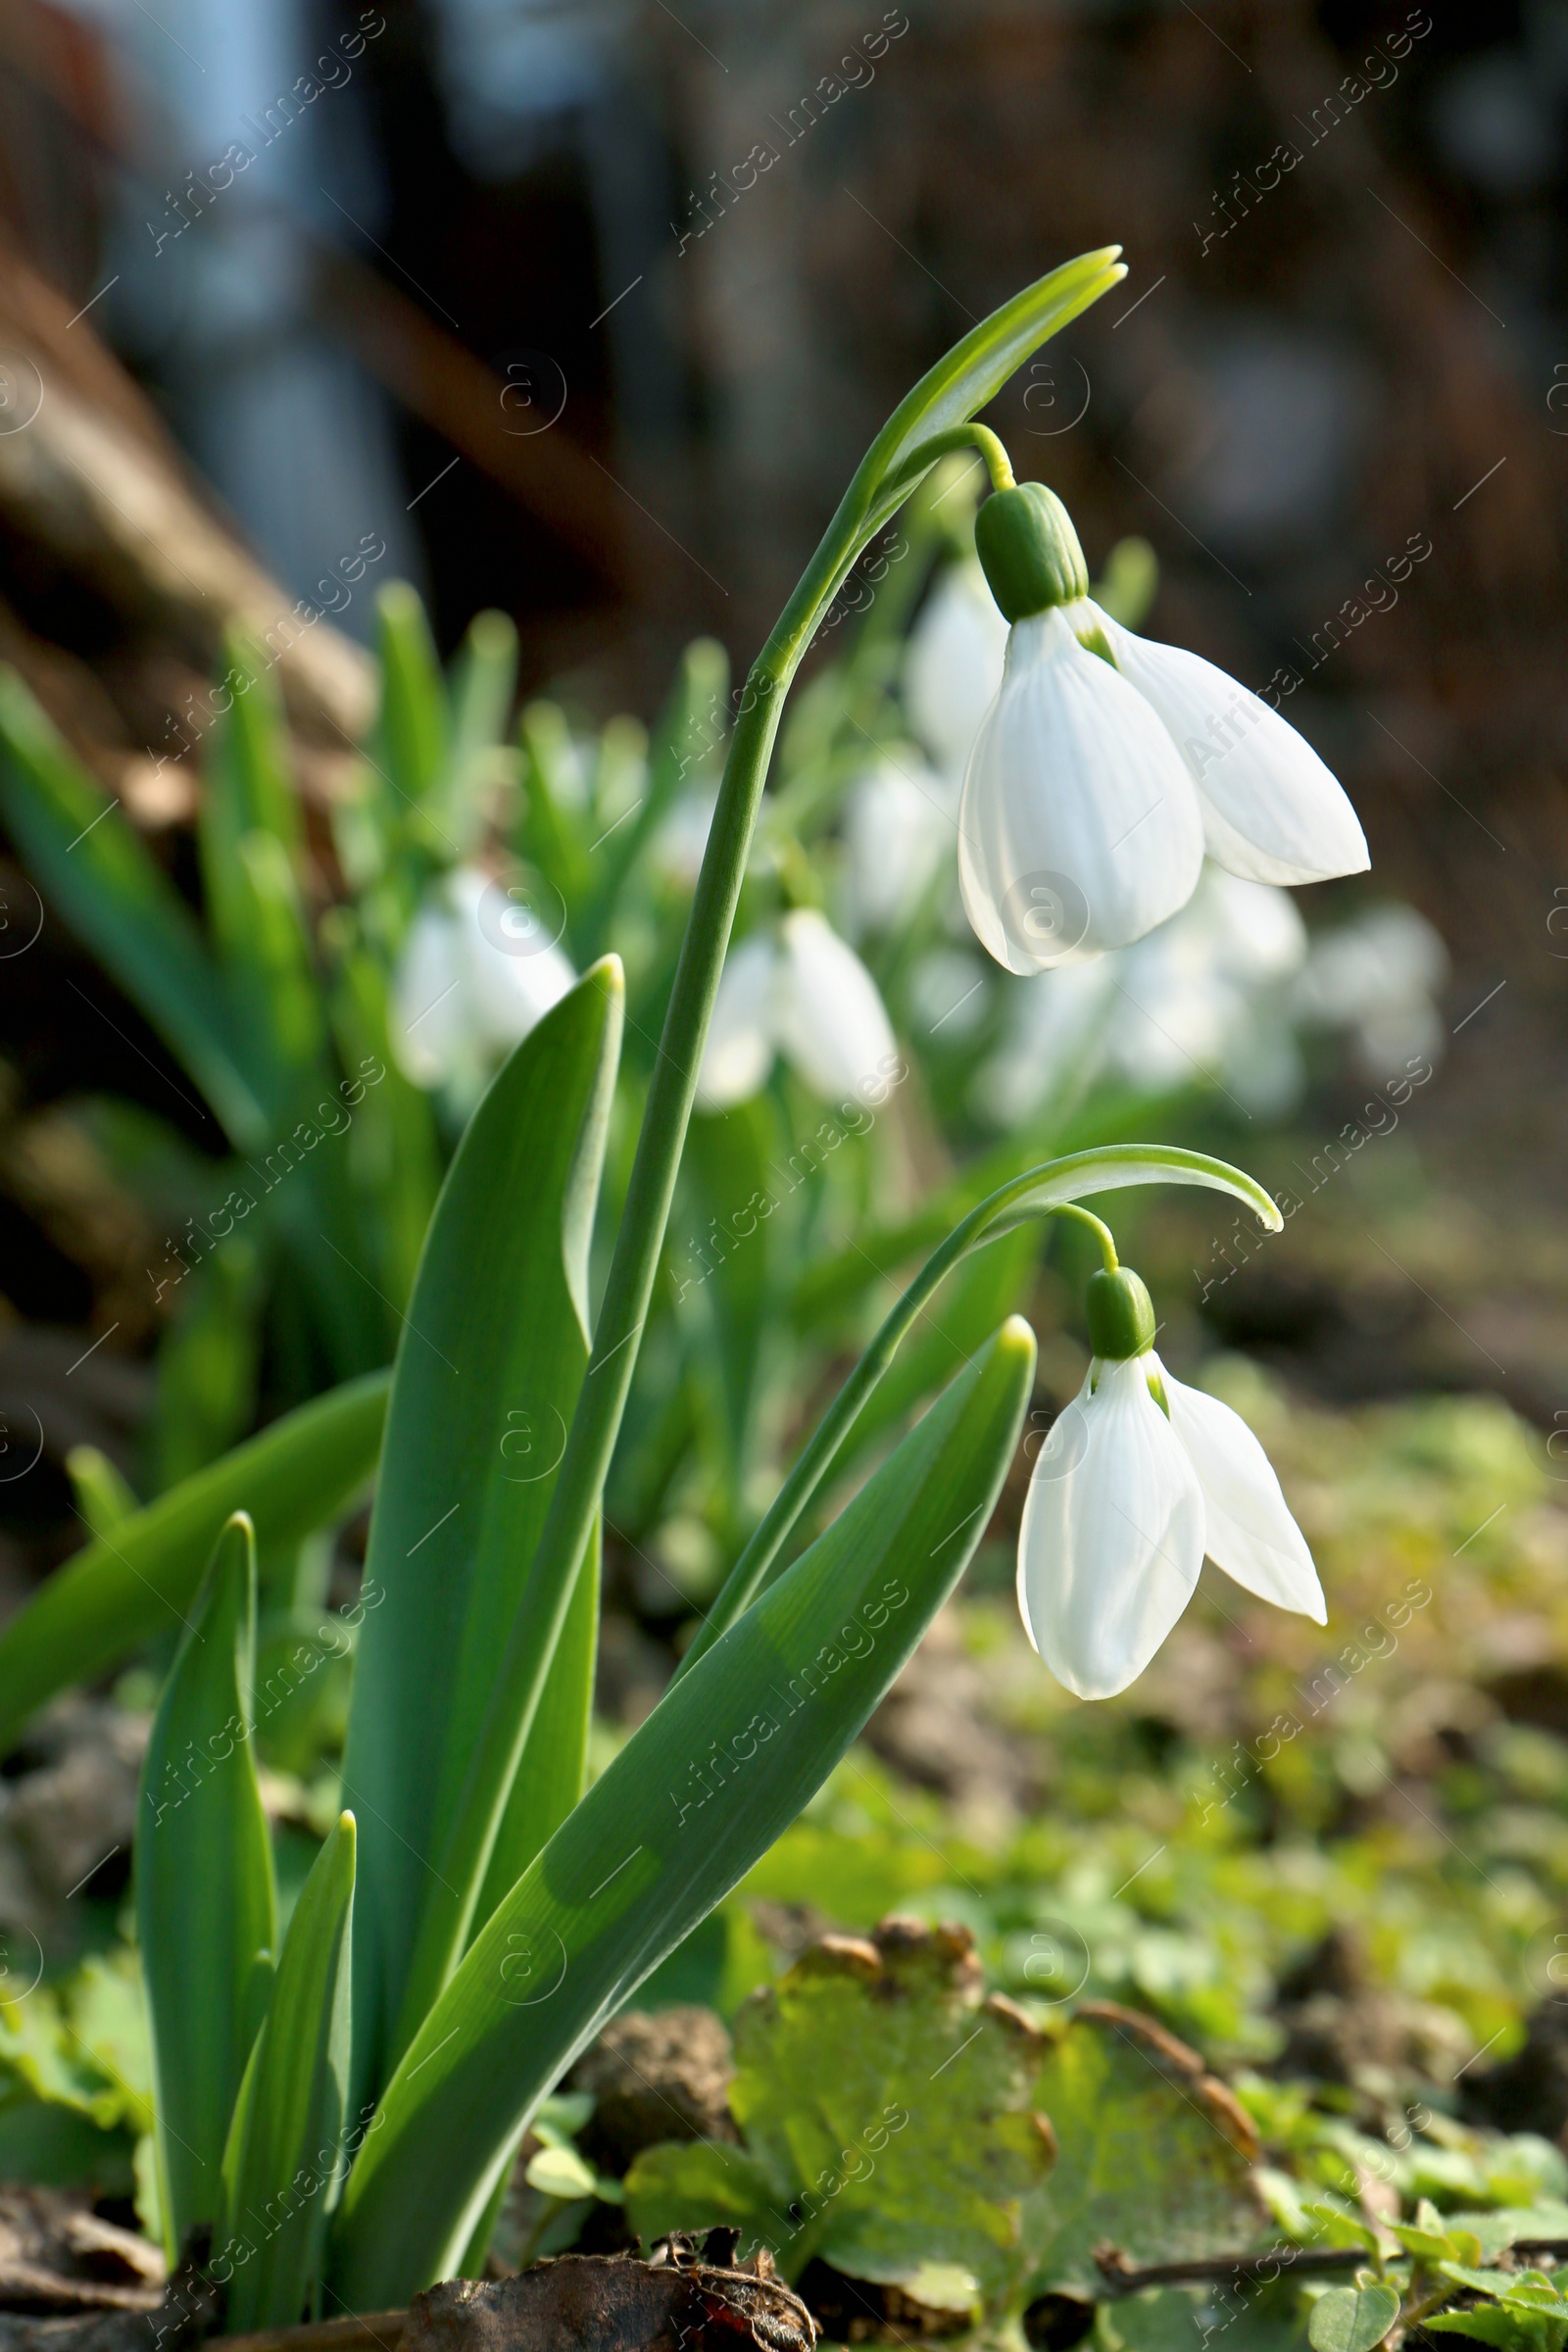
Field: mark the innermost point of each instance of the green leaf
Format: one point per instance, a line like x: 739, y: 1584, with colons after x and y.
x: 1153, y: 2154
x: 1035, y: 1193
x: 707, y: 2185
x: 206, y: 1910
x: 487, y: 1374
x: 413, y: 721
x: 555, y: 1760
x: 1487, y: 2325
x: 206, y: 1365
x: 1352, y: 2318
x: 889, y: 2111
x: 701, y: 1790
x: 117, y: 900
x: 104, y: 1499
x: 125, y: 1588
x: 286, y: 2149
x: 949, y: 394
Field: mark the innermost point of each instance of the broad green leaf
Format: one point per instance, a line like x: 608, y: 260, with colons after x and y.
x: 1180, y: 2319
x: 103, y: 1497
x: 889, y: 2112
x: 726, y: 1176
x: 95, y: 868
x: 1352, y: 2318
x: 287, y: 2145
x: 1153, y: 2155
x: 488, y: 1370
x: 1488, y: 2324
x: 140, y: 1581
x: 205, y: 1911
x: 709, y: 2184
x: 555, y: 1761
x: 1496, y: 2230
x: 702, y: 1788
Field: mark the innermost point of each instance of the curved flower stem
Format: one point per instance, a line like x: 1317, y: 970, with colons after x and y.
x: 960, y: 436
x: 1000, y: 1213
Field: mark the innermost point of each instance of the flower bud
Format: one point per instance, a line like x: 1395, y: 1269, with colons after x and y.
x: 1025, y: 541
x: 1121, y: 1316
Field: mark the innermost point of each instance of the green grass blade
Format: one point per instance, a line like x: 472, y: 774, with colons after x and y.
x: 487, y: 1375
x: 414, y: 721
x: 139, y: 1580
x: 285, y: 2154
x: 95, y: 868
x: 206, y: 1909
x: 722, y: 1765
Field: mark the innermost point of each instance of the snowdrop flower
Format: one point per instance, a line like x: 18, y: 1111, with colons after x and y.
x: 952, y: 664
x: 1205, y: 998
x: 1106, y: 764
x: 800, y: 992
x: 899, y: 823
x: 476, y: 974
x: 1378, y: 976
x: 1139, y: 1478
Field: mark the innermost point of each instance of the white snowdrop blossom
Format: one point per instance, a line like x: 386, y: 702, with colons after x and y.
x: 899, y: 826
x: 1379, y: 977
x: 1204, y: 999
x: 953, y: 664
x: 1140, y: 1478
x: 800, y: 991
x: 1107, y: 765
x: 475, y: 975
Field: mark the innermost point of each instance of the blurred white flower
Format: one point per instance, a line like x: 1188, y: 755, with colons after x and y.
x: 900, y: 824
x: 678, y: 845
x: 1379, y: 977
x: 1203, y: 999
x: 800, y: 990
x: 948, y: 993
x: 952, y: 664
x: 474, y: 976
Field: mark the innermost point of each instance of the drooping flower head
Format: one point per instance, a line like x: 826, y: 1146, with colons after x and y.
x: 1107, y: 764
x: 1139, y: 1478
x: 795, y: 989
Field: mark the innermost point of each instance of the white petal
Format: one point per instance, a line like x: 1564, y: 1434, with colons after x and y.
x: 512, y: 970
x: 432, y: 1018
x: 901, y: 821
x: 1248, y: 1529
x: 953, y: 664
x: 1079, y: 828
x: 1112, y: 1536
x: 741, y: 1037
x: 829, y: 1018
x: 1272, y: 811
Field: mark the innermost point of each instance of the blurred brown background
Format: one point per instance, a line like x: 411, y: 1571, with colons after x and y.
x: 588, y: 310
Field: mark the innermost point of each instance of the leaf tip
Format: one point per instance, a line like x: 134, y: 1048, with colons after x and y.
x: 1016, y: 1339
x: 608, y: 974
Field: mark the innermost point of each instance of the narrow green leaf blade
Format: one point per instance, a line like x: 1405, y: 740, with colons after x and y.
x: 286, y: 2146
x: 116, y: 899
x: 487, y: 1375
x: 206, y: 1910
x: 555, y: 1760
x: 415, y: 720
x: 722, y: 1766
x: 139, y: 1579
